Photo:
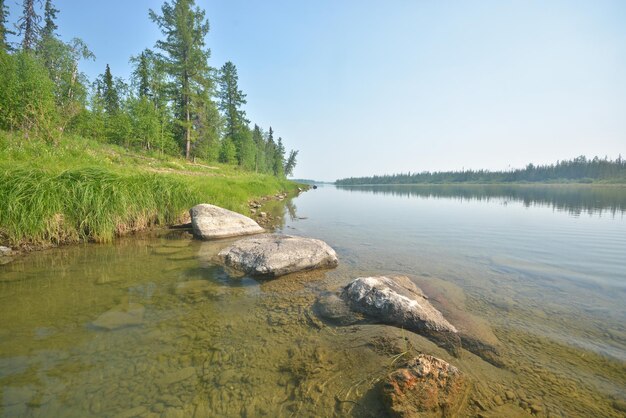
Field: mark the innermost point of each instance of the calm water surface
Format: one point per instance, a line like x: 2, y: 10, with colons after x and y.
x: 539, y: 270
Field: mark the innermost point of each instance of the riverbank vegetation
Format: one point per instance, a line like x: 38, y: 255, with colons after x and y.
x: 83, y: 190
x: 88, y: 159
x: 577, y: 170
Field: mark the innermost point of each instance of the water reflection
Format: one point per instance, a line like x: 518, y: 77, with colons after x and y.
x: 575, y: 199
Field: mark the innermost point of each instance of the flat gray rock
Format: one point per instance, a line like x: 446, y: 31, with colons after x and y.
x: 212, y: 222
x: 275, y: 255
x: 398, y: 301
x: 122, y: 316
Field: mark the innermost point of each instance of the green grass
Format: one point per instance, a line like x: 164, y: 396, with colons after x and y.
x: 83, y: 190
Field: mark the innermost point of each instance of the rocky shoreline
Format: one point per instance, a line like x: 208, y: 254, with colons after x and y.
x: 422, y: 385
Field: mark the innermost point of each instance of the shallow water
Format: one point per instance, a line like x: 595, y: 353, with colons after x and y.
x: 542, y: 269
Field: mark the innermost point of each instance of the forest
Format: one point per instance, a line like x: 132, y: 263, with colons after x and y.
x: 175, y: 103
x: 577, y: 170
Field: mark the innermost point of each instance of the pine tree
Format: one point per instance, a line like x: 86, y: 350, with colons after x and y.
x: 259, y: 142
x: 28, y: 25
x: 50, y: 15
x: 4, y: 14
x: 186, y: 58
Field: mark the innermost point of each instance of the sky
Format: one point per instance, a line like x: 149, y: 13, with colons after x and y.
x: 363, y: 87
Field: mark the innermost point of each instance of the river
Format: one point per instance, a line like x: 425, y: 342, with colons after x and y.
x: 540, y: 269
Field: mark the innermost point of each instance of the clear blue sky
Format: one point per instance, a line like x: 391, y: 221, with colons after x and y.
x: 372, y: 87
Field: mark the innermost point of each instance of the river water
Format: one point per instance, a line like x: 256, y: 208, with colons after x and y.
x: 540, y: 270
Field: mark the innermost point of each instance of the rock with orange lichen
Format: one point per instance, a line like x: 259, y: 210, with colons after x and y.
x: 425, y: 387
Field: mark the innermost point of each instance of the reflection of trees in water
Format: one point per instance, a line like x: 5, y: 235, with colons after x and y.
x: 572, y: 199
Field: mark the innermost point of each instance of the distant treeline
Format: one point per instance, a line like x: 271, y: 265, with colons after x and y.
x: 580, y: 170
x: 573, y: 199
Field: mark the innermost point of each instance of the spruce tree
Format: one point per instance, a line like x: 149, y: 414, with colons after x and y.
x: 50, y: 15
x: 184, y: 27
x: 109, y: 93
x: 231, y: 100
x: 28, y: 25
x: 4, y: 14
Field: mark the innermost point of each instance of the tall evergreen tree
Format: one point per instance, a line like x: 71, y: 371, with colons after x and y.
x: 28, y: 25
x: 50, y: 15
x: 279, y: 159
x: 109, y: 93
x: 231, y: 100
x: 4, y: 14
x: 141, y: 73
x: 184, y: 27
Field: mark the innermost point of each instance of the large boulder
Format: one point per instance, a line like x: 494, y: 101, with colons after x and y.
x: 425, y: 387
x: 274, y: 255
x: 211, y: 222
x: 398, y: 301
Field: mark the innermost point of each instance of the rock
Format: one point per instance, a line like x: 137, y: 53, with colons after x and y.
x: 509, y: 395
x: 425, y: 387
x: 398, y: 301
x: 619, y: 405
x: 263, y: 215
x: 177, y: 376
x: 5, y: 251
x: 211, y: 222
x: 498, y: 400
x: 275, y: 255
x: 192, y: 288
x: 133, y: 412
x: 121, y: 316
x: 332, y: 308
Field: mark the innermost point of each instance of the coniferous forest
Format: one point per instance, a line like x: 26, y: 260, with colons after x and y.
x: 577, y: 170
x: 175, y: 103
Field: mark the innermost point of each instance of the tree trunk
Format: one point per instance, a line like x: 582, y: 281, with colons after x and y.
x: 188, y: 148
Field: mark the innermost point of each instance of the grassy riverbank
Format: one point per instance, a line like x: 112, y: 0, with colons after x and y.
x: 82, y: 190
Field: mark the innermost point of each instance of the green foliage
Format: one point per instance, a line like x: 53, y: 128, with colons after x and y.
x: 50, y: 15
x: 580, y: 169
x: 4, y: 43
x: 110, y: 95
x: 228, y: 152
x: 170, y: 108
x: 186, y: 59
x: 231, y: 99
x: 27, y: 96
x: 82, y: 190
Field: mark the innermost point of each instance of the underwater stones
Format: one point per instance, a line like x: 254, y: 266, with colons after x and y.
x: 275, y: 255
x: 212, y: 222
x: 192, y: 288
x: 425, y: 387
x: 177, y: 376
x: 5, y: 255
x: 332, y: 308
x: 398, y: 301
x: 122, y: 316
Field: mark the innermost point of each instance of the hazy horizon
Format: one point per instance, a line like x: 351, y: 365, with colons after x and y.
x: 364, y: 88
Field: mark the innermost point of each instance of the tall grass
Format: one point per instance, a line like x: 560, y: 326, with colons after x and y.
x: 100, y: 199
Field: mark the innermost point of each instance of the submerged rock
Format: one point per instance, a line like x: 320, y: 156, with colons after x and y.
x: 398, y: 301
x: 275, y: 255
x: 122, y: 316
x: 211, y: 222
x: 425, y: 387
